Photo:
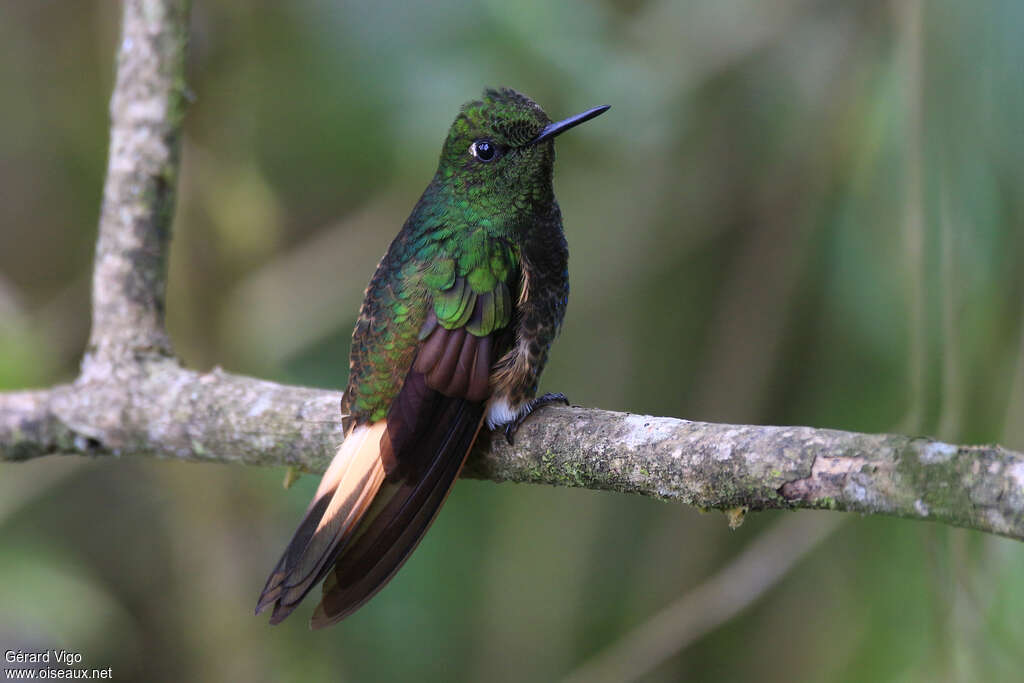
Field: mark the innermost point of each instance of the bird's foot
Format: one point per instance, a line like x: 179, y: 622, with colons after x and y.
x: 512, y: 427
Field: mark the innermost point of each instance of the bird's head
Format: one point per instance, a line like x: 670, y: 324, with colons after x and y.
x: 500, y: 150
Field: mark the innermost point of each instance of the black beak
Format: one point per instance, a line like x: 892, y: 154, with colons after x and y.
x: 558, y: 127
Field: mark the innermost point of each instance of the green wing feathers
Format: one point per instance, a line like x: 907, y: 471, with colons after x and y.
x: 472, y: 289
x: 452, y: 281
x: 481, y: 312
x: 471, y: 303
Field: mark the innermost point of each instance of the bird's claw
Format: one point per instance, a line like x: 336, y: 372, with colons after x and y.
x: 512, y: 427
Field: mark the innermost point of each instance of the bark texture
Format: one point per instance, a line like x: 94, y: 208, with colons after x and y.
x: 146, y: 114
x: 156, y: 407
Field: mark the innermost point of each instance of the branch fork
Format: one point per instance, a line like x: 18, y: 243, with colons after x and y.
x: 135, y: 398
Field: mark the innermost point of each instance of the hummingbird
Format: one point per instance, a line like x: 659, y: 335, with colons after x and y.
x: 452, y: 335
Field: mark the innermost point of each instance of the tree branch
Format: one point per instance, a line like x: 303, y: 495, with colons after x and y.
x: 146, y: 114
x: 157, y: 408
x: 134, y: 398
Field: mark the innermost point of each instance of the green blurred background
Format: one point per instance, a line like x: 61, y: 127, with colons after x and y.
x: 797, y: 212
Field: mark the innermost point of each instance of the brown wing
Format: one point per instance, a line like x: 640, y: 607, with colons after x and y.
x: 405, y: 464
x: 431, y: 427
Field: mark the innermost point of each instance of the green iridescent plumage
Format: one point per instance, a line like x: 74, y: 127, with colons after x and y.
x: 453, y: 334
x: 458, y: 251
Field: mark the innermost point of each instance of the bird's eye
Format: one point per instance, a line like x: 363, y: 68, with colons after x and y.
x: 484, y: 150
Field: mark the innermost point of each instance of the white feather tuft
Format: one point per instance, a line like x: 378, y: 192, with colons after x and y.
x: 500, y: 413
